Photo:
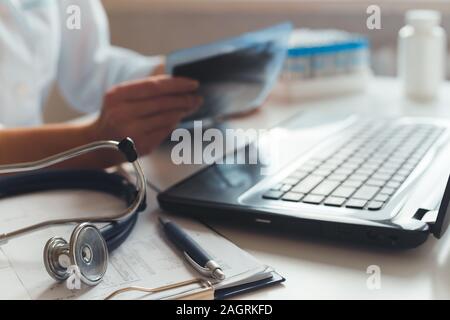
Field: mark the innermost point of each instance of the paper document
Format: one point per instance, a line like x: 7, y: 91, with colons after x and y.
x: 146, y: 259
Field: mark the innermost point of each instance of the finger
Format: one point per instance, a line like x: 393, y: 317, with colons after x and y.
x: 153, y: 87
x: 159, y: 105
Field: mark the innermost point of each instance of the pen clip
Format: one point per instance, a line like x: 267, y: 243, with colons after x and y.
x: 199, y: 268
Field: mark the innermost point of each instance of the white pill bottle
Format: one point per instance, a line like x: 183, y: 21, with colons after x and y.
x: 422, y: 47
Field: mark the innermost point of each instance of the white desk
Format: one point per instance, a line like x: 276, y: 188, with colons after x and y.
x: 313, y: 268
x: 319, y: 269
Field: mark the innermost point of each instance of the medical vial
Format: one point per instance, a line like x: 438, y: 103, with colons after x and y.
x: 421, y: 54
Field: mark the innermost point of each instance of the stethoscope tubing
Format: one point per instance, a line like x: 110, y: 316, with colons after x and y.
x: 120, y: 233
x: 125, y: 146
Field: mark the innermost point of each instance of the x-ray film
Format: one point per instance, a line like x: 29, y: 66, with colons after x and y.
x: 236, y: 75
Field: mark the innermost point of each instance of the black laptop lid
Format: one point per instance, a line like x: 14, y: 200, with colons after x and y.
x: 442, y: 220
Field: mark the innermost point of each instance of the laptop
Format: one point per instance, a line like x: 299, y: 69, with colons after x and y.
x: 369, y: 180
x: 353, y: 181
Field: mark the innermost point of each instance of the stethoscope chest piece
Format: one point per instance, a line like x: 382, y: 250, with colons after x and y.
x: 86, y: 250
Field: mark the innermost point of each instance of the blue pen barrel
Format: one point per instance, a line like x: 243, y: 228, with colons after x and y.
x: 185, y: 243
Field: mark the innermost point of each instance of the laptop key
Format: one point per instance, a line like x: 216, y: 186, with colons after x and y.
x: 356, y: 162
x: 332, y: 162
x: 276, y: 187
x: 382, y: 198
x: 285, y: 188
x: 337, y: 177
x: 293, y: 196
x: 369, y: 167
x: 386, y: 170
x: 290, y: 181
x: 366, y: 192
x: 398, y: 178
x: 273, y: 195
x: 375, y: 205
x: 408, y: 167
x: 359, y: 177
x: 328, y: 166
x: 356, y: 204
x: 344, y: 192
x: 393, y: 184
x: 364, y: 171
x: 344, y: 171
x: 375, y: 183
x: 307, y: 184
x: 381, y: 176
x: 350, y: 166
x: 353, y: 183
x: 374, y: 163
x: 334, y: 201
x: 313, y: 199
x: 411, y: 162
x: 322, y: 172
x: 388, y: 191
x: 325, y: 187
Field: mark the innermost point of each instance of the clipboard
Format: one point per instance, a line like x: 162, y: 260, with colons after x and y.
x: 205, y: 291
x: 249, y: 287
x: 147, y: 260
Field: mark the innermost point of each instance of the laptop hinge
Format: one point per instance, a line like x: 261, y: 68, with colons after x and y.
x: 437, y: 219
x: 430, y: 217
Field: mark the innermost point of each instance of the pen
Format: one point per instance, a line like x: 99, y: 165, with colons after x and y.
x: 195, y: 254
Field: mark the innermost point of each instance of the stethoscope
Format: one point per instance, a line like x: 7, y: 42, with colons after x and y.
x: 88, y: 247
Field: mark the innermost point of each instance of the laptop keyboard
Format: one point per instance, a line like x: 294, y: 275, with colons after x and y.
x: 364, y: 171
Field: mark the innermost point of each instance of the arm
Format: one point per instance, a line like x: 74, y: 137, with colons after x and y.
x: 89, y: 65
x: 145, y: 110
x: 31, y: 144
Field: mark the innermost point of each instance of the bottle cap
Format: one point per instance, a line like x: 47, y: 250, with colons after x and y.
x: 423, y: 18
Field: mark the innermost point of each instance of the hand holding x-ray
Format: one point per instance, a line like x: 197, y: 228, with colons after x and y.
x: 235, y: 75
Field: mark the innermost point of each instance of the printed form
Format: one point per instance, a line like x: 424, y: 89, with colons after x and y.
x: 146, y: 259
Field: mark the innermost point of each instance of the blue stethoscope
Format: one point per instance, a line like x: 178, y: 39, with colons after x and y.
x: 88, y: 246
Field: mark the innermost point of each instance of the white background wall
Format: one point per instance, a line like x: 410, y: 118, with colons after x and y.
x: 160, y: 26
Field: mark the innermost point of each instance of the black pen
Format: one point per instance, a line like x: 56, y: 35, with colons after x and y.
x: 195, y: 254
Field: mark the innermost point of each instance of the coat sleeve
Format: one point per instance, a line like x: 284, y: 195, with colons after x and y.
x: 88, y: 64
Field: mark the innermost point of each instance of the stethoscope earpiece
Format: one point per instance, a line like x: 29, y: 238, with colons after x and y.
x: 87, y: 250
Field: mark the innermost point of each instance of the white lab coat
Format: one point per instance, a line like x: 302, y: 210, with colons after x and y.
x: 37, y: 49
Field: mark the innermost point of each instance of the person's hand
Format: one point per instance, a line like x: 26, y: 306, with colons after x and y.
x: 160, y: 69
x: 146, y: 110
